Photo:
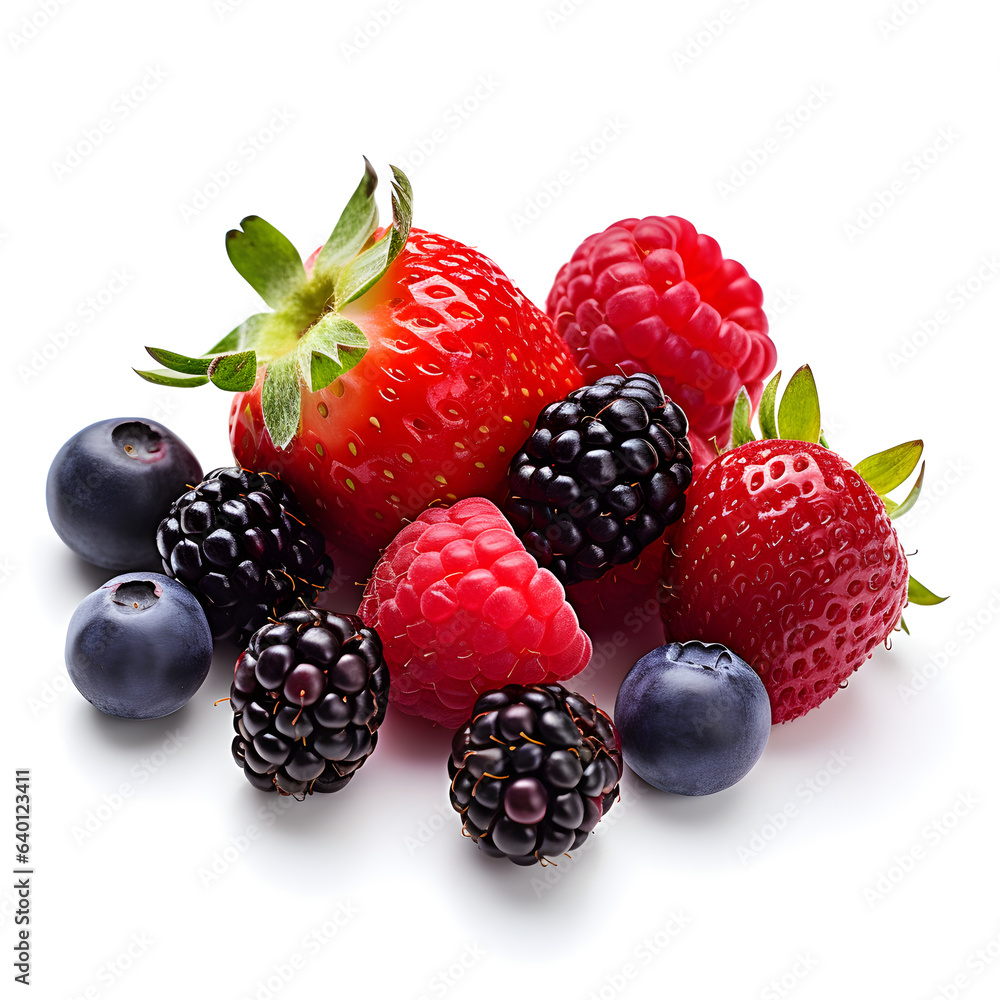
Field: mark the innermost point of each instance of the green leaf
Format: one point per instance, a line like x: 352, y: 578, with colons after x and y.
x: 266, y: 259
x: 366, y: 269
x: 234, y: 372
x: 356, y: 224
x: 798, y: 412
x: 164, y: 376
x: 332, y: 347
x: 243, y: 336
x: 768, y: 428
x: 741, y: 420
x: 902, y: 624
x: 179, y: 362
x: 888, y: 469
x: 899, y: 509
x: 281, y: 400
x: 917, y: 593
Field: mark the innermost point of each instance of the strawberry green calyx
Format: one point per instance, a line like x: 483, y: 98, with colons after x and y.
x: 304, y: 340
x: 797, y: 418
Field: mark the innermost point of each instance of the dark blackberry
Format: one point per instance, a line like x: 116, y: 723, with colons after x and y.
x: 601, y: 476
x: 239, y: 541
x: 533, y: 771
x: 309, y: 694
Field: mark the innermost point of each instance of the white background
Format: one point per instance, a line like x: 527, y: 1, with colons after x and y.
x: 880, y: 882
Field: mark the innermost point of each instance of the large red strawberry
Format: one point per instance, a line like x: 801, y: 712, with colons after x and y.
x: 398, y: 368
x: 787, y: 554
x: 655, y: 295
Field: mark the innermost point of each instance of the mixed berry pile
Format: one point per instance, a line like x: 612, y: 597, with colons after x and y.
x: 499, y: 468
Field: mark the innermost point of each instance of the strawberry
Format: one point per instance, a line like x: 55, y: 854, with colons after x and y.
x: 398, y: 369
x: 787, y: 554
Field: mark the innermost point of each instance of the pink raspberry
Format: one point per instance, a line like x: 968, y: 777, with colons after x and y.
x: 462, y: 608
x: 655, y: 295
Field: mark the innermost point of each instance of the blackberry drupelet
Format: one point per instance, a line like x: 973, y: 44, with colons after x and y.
x: 309, y: 694
x: 533, y: 771
x: 239, y: 541
x: 601, y: 476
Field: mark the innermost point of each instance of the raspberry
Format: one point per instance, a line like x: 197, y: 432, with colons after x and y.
x: 463, y: 608
x: 655, y: 295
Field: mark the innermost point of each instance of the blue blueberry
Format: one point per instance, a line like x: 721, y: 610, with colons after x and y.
x: 111, y: 484
x: 693, y: 719
x: 139, y: 647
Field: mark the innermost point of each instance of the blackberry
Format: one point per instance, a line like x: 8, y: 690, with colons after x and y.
x: 239, y: 541
x: 308, y: 696
x: 533, y: 771
x: 601, y: 476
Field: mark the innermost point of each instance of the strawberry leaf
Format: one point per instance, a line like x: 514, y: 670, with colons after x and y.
x: 366, y: 269
x: 741, y: 420
x: 281, y: 400
x: 332, y: 347
x: 164, y: 376
x: 245, y: 335
x: 902, y: 624
x: 234, y: 372
x: 768, y: 427
x: 266, y: 259
x: 899, y: 509
x: 798, y: 412
x: 179, y: 362
x: 356, y: 224
x: 917, y: 593
x: 886, y: 470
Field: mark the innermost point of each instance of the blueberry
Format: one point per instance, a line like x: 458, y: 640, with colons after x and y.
x: 111, y: 484
x: 693, y: 719
x: 139, y: 647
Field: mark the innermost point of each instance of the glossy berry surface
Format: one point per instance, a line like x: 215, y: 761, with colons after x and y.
x: 308, y: 696
x: 462, y: 607
x: 533, y: 771
x: 110, y: 485
x: 240, y: 542
x: 655, y: 295
x: 600, y: 477
x: 458, y: 366
x: 787, y: 557
x: 139, y: 647
x: 693, y: 718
